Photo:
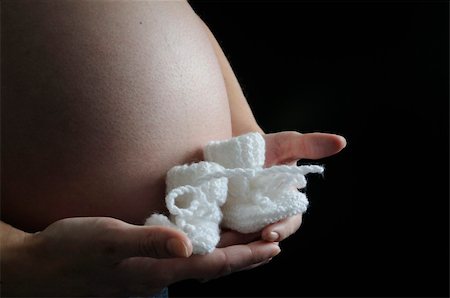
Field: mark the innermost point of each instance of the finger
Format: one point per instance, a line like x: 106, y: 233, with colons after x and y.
x: 289, y: 146
x: 230, y: 237
x: 223, y: 261
x: 256, y: 265
x: 141, y: 271
x: 127, y: 241
x: 282, y: 229
x: 246, y: 268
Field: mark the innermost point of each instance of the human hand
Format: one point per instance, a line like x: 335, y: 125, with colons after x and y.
x: 108, y: 257
x: 287, y: 148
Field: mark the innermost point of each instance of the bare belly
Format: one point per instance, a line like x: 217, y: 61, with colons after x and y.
x: 100, y: 99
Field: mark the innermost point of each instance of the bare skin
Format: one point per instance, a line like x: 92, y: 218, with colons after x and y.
x: 107, y: 257
x: 100, y: 99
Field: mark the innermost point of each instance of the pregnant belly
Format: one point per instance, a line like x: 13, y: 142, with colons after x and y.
x: 97, y: 111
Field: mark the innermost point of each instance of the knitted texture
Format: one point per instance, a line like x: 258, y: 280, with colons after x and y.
x: 231, y: 189
x: 258, y: 197
x: 245, y: 151
x: 194, y: 208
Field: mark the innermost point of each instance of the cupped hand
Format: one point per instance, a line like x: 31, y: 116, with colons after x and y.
x: 287, y: 148
x: 108, y: 257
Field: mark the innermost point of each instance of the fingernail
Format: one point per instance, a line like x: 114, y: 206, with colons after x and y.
x: 273, y: 236
x: 276, y: 251
x: 177, y: 248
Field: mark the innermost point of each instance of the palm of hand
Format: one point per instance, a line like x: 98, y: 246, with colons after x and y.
x: 287, y: 148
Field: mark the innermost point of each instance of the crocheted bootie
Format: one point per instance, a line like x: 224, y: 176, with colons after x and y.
x: 194, y: 204
x: 257, y: 196
x: 244, y: 151
x: 269, y: 196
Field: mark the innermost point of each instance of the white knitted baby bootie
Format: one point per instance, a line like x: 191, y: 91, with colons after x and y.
x: 194, y: 204
x: 269, y: 195
x: 244, y: 151
x: 257, y: 196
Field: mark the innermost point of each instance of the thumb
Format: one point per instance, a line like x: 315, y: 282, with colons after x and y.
x: 152, y: 241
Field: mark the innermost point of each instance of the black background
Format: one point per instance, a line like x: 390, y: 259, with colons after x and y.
x: 377, y: 73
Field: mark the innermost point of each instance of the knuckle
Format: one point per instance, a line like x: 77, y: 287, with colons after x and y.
x: 148, y: 247
x: 254, y: 257
x: 225, y: 267
x: 109, y: 224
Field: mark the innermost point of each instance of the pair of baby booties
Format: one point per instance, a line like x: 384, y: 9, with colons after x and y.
x: 231, y: 189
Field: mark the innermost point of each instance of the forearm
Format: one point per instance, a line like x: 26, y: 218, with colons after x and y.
x: 242, y: 118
